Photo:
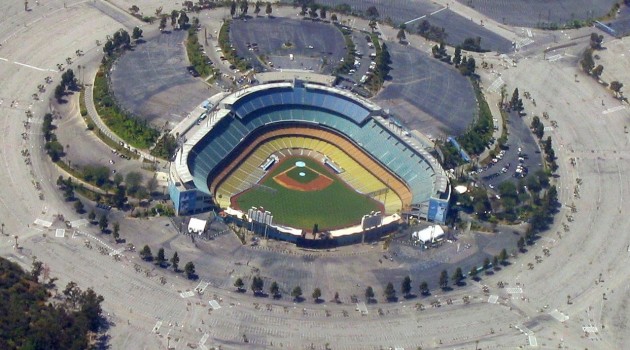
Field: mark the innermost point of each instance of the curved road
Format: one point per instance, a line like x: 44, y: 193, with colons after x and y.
x: 146, y: 313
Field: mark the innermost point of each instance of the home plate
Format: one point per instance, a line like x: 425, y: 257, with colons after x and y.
x: 493, y: 299
x: 187, y: 294
x: 60, y: 233
x: 214, y: 305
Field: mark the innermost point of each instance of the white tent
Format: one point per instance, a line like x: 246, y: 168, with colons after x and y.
x: 196, y: 225
x: 429, y: 234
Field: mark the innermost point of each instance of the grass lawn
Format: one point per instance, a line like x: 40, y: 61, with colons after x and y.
x: 309, y: 175
x: 335, y: 206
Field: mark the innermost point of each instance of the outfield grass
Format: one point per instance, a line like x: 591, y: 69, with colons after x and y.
x: 335, y: 206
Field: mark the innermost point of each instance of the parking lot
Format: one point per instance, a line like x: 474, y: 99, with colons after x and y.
x: 520, y: 158
x: 288, y: 43
x: 152, y: 81
x: 532, y: 13
x: 426, y: 94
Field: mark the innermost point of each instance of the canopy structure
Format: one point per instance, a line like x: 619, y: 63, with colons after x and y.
x: 196, y: 226
x: 429, y: 234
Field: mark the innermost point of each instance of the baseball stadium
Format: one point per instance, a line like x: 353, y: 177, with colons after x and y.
x: 298, y: 156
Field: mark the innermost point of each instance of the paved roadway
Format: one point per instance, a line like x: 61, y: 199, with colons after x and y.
x: 148, y: 314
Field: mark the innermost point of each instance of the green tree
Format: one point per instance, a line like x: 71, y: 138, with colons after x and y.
x: 116, y: 231
x: 471, y: 65
x: 486, y: 264
x: 424, y: 288
x: 161, y: 258
x: 316, y: 294
x: 137, y: 33
x: 587, y: 61
x: 333, y: 17
x: 296, y: 293
x: 118, y: 179
x: 103, y: 223
x: 92, y: 216
x: 146, y: 253
x: 596, y: 41
x: 189, y: 269
x: 239, y: 284
x: 183, y: 20
x: 91, y: 309
x: 390, y: 292
x: 174, y: 15
x: 60, y: 92
x: 257, y: 285
x: 401, y: 36
x: 162, y: 25
x: 68, y: 193
x: 372, y: 13
x: 597, y: 71
x: 474, y: 273
x: 274, y: 289
x: 244, y: 7
x: 458, y: 276
x: 503, y: 256
x: 616, y: 86
x: 268, y: 9
x: 36, y: 269
x: 406, y: 286
x: 457, y: 57
x: 322, y: 12
x: 133, y: 181
x: 232, y: 8
x: 444, y: 279
x: 257, y: 8
x: 119, y: 197
x: 520, y: 244
x: 175, y: 261
x: 369, y: 294
x: 79, y: 207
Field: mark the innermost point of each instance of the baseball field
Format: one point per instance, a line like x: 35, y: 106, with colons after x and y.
x: 301, y: 192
